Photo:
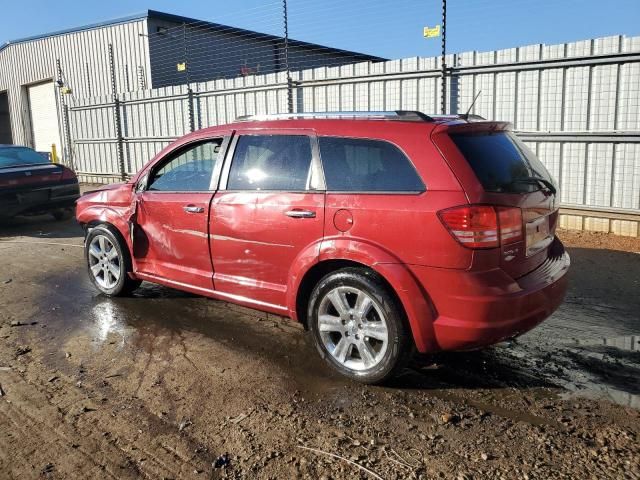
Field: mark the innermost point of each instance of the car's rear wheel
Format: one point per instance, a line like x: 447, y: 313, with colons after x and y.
x: 358, y: 325
x: 108, y: 262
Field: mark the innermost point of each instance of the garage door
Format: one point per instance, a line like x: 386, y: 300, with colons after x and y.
x: 44, y: 116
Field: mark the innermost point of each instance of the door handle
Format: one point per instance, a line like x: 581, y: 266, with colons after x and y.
x: 193, y: 209
x: 300, y: 214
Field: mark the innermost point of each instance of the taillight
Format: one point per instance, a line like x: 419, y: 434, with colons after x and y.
x: 68, y: 174
x: 483, y: 226
x: 510, y: 224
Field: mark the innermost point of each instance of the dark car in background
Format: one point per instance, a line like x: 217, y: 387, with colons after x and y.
x: 31, y: 184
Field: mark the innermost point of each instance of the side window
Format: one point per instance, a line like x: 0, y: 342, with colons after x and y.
x: 361, y: 165
x: 189, y: 171
x: 271, y: 162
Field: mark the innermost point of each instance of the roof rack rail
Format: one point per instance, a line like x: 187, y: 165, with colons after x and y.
x: 403, y: 115
x: 454, y: 116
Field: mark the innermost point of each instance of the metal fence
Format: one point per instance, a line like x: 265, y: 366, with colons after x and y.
x: 576, y: 104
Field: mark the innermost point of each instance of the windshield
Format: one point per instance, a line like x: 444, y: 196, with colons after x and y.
x: 502, y: 162
x: 14, y: 156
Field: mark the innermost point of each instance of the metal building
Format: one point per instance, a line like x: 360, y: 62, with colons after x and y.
x: 150, y: 50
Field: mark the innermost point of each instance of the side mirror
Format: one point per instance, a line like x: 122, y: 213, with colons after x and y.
x: 141, y: 186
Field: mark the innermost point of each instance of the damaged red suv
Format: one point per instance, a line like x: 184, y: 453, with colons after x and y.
x: 383, y: 233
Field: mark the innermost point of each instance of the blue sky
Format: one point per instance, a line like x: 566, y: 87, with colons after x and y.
x: 389, y: 28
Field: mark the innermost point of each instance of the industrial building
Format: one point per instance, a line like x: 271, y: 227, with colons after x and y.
x: 150, y: 50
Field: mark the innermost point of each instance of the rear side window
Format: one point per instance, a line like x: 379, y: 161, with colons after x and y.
x: 271, y: 162
x: 501, y: 162
x: 361, y: 165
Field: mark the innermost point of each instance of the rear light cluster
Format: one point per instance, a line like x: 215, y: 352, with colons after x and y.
x: 483, y: 226
x: 68, y: 174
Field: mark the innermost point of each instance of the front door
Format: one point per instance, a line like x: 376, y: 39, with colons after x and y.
x: 271, y: 211
x: 171, y: 236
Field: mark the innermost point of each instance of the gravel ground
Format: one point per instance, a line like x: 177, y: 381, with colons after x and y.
x: 164, y: 384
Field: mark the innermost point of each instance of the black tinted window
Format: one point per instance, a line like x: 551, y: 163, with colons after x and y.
x: 501, y: 162
x: 189, y: 171
x: 271, y: 162
x: 359, y: 165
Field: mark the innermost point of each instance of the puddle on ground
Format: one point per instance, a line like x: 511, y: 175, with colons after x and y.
x: 157, y: 318
x: 606, y: 368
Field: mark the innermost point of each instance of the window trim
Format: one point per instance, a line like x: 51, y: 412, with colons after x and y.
x: 374, y: 192
x: 315, y: 167
x: 169, y: 157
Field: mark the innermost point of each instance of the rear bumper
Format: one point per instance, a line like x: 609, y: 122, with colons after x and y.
x: 475, y: 310
x: 39, y: 200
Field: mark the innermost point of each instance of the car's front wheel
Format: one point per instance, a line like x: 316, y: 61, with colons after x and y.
x: 358, y: 326
x: 108, y: 262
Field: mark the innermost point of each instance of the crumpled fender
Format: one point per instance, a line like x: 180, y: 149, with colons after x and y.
x: 118, y: 217
x: 414, y: 299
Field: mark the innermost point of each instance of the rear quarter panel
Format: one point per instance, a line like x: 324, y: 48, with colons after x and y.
x: 405, y: 225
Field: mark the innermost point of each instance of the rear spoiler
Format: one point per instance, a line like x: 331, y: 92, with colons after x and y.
x: 474, y: 127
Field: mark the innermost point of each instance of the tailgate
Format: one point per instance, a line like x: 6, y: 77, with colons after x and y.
x: 540, y: 219
x: 496, y: 168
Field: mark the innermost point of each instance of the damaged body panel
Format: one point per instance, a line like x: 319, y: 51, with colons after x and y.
x: 379, y: 234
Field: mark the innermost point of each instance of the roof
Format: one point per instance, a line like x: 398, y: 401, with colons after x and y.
x: 154, y: 14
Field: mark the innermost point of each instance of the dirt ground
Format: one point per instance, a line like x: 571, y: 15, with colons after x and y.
x: 162, y: 384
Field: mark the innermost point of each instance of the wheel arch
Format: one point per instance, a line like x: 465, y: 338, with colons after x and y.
x: 94, y: 216
x: 397, y: 277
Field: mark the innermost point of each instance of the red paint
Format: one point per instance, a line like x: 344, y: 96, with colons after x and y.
x: 246, y: 249
x: 254, y: 243
x: 171, y: 243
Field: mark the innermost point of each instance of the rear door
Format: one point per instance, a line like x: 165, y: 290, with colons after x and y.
x: 171, y: 236
x: 269, y: 209
x: 497, y: 168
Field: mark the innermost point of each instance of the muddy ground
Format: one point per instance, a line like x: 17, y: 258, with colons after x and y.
x: 162, y: 384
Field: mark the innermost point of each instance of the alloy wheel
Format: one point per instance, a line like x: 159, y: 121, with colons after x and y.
x: 353, y: 328
x: 104, y: 262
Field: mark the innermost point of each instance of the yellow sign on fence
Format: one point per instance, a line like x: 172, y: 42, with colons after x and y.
x: 431, y: 32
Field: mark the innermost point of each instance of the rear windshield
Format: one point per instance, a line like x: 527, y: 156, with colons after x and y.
x: 14, y: 156
x: 501, y: 161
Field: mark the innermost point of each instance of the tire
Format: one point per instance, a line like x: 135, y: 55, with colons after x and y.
x: 368, y: 310
x: 104, y: 251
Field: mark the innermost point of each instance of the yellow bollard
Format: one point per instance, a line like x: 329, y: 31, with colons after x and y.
x: 54, y: 153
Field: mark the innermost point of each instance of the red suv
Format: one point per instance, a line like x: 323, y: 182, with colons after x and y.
x: 383, y: 233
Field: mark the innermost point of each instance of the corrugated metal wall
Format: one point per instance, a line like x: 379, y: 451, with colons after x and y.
x: 84, y: 62
x: 577, y: 105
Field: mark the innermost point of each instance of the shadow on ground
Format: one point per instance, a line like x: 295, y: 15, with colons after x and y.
x: 39, y: 226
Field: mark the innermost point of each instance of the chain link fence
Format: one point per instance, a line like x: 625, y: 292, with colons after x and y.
x: 576, y: 104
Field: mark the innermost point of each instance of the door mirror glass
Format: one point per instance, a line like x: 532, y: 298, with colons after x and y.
x: 189, y: 170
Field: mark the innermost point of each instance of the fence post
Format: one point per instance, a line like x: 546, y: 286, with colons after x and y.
x: 192, y: 124
x: 66, y: 150
x: 444, y: 52
x: 190, y: 100
x: 286, y: 58
x: 116, y: 116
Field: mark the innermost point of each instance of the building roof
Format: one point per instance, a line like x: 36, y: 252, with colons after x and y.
x: 200, y: 24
